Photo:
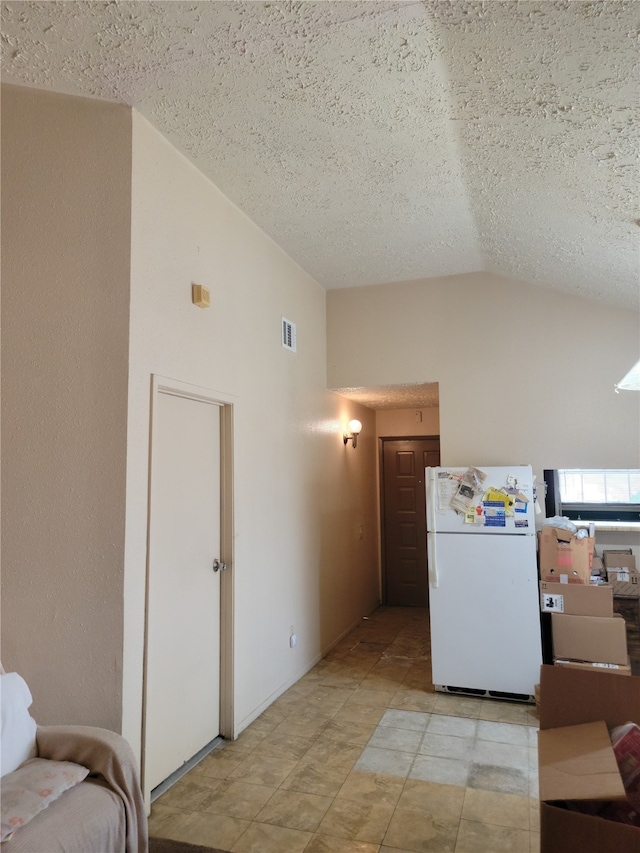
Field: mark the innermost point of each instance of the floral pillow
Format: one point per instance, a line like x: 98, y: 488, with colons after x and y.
x: 32, y: 787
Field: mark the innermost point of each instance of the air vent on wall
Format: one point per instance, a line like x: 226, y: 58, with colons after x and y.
x: 288, y: 334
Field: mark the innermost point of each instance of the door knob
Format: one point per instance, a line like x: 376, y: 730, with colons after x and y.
x: 218, y: 565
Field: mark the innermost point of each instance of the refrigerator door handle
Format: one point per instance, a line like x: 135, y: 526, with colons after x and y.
x: 431, y: 500
x: 430, y: 483
x: 432, y: 559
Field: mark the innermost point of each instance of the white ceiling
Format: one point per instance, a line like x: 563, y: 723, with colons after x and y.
x: 379, y: 141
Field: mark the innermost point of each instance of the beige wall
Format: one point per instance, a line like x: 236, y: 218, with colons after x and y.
x: 525, y: 374
x: 105, y: 227
x: 300, y: 494
x: 66, y: 187
x: 395, y: 423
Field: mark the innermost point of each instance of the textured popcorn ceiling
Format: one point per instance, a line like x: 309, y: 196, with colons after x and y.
x: 377, y: 141
x: 394, y: 396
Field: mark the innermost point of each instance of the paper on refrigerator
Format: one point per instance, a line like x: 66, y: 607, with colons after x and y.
x: 469, y: 487
x: 447, y: 487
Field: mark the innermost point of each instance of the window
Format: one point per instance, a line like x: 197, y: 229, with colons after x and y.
x: 587, y: 494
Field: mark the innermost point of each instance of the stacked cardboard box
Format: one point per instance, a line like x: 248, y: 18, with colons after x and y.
x: 585, y: 632
x: 563, y: 557
x: 622, y: 573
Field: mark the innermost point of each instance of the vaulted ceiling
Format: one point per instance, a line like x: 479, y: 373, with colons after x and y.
x: 383, y: 141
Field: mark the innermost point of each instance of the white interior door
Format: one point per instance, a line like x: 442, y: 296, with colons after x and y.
x: 182, y: 685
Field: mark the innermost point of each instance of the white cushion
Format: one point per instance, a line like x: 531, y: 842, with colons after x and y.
x: 18, y: 737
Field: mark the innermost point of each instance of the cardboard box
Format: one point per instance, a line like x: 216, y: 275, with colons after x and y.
x: 576, y: 599
x: 625, y: 582
x: 574, y: 760
x: 619, y: 559
x: 615, y: 668
x: 563, y: 558
x: 596, y: 639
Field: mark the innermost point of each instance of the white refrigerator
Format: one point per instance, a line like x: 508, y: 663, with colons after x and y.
x: 483, y: 581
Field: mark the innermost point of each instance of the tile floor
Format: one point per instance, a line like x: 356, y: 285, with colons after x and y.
x: 362, y: 756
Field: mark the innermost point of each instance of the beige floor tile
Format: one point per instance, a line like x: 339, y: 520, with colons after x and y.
x: 284, y: 746
x: 534, y: 815
x: 315, y: 778
x: 266, y: 725
x: 333, y: 754
x: 191, y: 792
x: 295, y: 810
x: 304, y: 725
x: 330, y: 844
x: 272, y: 715
x: 371, y: 788
x: 410, y: 648
x: 328, y: 707
x: 495, y: 808
x: 327, y: 693
x: 504, y: 712
x: 343, y: 675
x: 534, y: 842
x: 300, y: 690
x: 385, y: 849
x: 532, y: 716
x: 358, y: 714
x: 357, y: 820
x: 266, y: 838
x: 167, y: 821
x: 389, y: 678
x: 343, y: 731
x: 246, y: 741
x: 413, y: 699
x: 443, y: 803
x: 263, y: 770
x: 476, y: 837
x: 212, y: 830
x: 397, y: 668
x: 239, y: 799
x: 372, y: 698
x: 218, y: 764
x: 458, y: 706
x: 418, y: 832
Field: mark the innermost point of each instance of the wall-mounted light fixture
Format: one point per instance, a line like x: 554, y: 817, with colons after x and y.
x: 631, y: 380
x: 353, y: 431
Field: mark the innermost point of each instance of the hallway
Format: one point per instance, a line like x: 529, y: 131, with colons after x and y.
x: 362, y: 756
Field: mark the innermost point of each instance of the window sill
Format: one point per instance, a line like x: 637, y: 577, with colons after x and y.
x: 611, y: 526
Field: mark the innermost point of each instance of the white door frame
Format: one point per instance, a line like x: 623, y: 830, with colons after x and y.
x: 177, y: 388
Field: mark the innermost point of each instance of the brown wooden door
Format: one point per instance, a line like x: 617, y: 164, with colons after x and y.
x: 405, y: 580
